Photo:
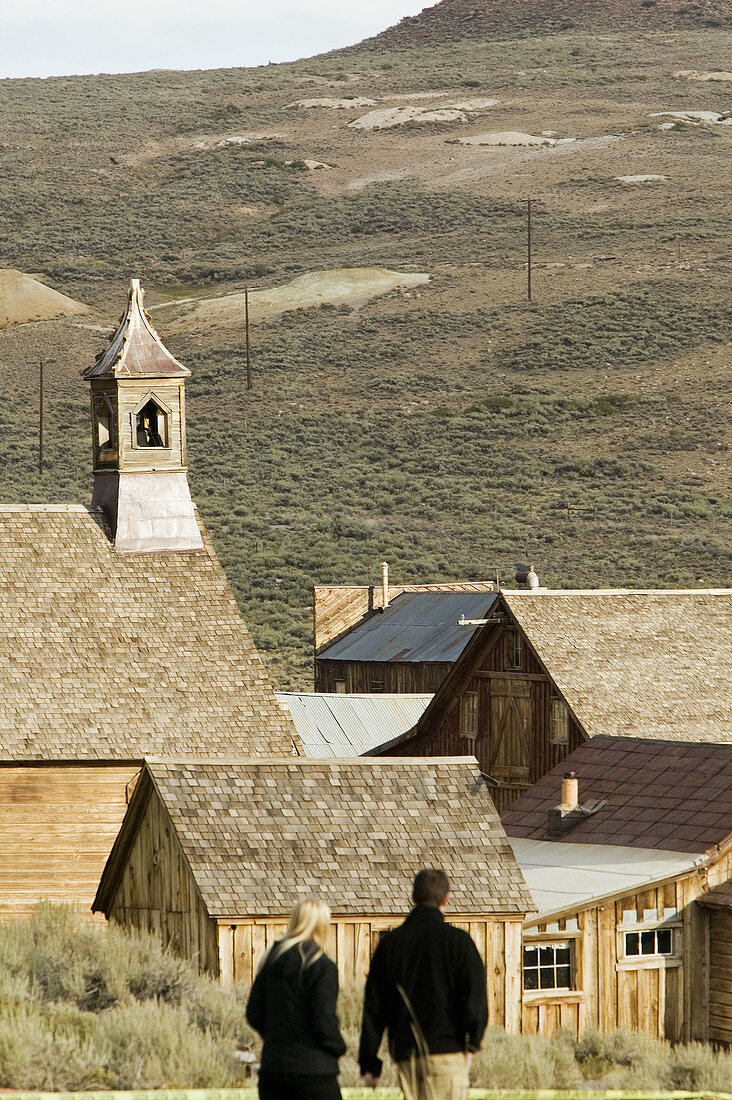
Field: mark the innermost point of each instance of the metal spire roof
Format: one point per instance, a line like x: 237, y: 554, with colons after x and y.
x: 136, y: 349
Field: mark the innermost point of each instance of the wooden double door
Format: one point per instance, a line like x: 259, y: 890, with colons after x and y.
x: 510, y: 736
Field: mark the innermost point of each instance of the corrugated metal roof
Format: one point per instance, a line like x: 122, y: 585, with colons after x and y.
x: 350, y: 725
x: 562, y: 876
x: 416, y: 626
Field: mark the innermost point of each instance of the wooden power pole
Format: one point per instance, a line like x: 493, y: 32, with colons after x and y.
x: 40, y: 417
x: 246, y: 326
x: 528, y: 249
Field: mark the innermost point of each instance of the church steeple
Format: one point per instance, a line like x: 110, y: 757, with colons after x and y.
x: 139, y: 438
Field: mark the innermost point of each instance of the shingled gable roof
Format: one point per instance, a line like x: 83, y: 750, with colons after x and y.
x: 645, y: 663
x: 107, y: 657
x: 136, y: 349
x: 260, y: 834
x: 652, y: 664
x: 670, y: 796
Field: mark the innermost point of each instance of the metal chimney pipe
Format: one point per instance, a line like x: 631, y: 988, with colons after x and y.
x: 385, y: 583
x: 570, y: 791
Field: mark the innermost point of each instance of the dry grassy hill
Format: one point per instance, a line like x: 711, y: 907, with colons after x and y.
x: 415, y: 406
x: 452, y: 20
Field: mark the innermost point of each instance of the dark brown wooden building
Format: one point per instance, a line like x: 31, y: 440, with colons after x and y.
x: 547, y: 670
x: 393, y: 638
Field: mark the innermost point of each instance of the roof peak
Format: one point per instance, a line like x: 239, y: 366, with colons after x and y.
x: 136, y: 350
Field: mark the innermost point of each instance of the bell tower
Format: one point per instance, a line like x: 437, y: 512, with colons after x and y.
x: 139, y: 438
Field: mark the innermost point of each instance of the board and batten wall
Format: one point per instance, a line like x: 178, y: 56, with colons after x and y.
x: 352, y: 941
x: 156, y: 891
x: 58, y: 823
x: 720, y: 976
x: 669, y: 997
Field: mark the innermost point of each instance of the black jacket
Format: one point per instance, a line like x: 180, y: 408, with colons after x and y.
x: 440, y: 971
x: 293, y: 1007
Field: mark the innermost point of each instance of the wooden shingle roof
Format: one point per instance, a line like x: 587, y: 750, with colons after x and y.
x: 260, y: 834
x: 637, y: 663
x: 671, y: 796
x: 107, y: 656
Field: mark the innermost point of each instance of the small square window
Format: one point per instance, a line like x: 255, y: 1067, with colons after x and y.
x: 339, y: 686
x: 377, y: 686
x: 514, y: 649
x: 469, y: 714
x: 547, y: 966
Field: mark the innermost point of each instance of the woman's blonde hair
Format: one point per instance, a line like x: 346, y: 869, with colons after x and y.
x: 309, y: 922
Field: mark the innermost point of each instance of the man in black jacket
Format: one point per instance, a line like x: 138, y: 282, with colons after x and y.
x: 427, y: 988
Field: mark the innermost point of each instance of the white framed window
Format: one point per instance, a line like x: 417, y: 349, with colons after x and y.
x: 548, y: 966
x: 559, y: 722
x: 643, y: 943
x: 469, y: 714
x: 514, y: 649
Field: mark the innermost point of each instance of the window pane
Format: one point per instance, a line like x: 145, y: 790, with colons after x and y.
x: 546, y: 956
x: 648, y: 943
x: 665, y: 941
x: 563, y: 977
x: 562, y: 956
x: 531, y: 979
x: 632, y: 943
x: 531, y: 956
x: 546, y: 978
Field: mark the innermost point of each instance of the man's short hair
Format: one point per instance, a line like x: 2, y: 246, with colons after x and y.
x: 431, y: 887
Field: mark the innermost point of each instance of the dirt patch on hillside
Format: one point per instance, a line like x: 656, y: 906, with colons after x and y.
x: 353, y: 286
x: 388, y: 117
x: 697, y: 118
x: 24, y: 299
x: 347, y: 104
x: 509, y: 137
x: 649, y: 178
x: 695, y: 74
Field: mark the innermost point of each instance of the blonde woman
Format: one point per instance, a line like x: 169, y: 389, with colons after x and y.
x: 293, y: 1007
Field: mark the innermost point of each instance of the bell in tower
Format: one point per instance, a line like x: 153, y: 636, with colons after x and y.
x: 139, y: 440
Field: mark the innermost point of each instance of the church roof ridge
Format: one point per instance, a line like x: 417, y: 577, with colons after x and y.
x: 136, y: 349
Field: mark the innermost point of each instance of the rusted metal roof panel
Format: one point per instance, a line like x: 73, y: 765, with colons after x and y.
x: 331, y: 724
x: 416, y: 626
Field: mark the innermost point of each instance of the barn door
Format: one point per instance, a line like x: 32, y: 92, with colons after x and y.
x: 510, y: 732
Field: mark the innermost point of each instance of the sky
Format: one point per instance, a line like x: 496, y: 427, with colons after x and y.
x: 64, y: 37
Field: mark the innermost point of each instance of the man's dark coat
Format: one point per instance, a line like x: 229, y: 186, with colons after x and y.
x: 429, y: 972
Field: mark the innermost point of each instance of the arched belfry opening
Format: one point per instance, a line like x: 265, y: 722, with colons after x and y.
x: 151, y: 427
x: 139, y: 438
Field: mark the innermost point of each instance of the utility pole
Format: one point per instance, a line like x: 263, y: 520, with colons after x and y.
x: 246, y: 324
x: 40, y: 417
x: 528, y: 249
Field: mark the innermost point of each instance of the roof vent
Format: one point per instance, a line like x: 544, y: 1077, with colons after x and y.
x: 526, y: 577
x: 569, y: 812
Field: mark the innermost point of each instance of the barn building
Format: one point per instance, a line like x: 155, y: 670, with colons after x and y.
x: 628, y: 858
x: 119, y: 637
x: 544, y: 671
x: 212, y: 857
x: 401, y: 638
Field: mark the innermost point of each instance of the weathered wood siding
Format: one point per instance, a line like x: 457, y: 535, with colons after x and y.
x: 388, y: 676
x: 668, y: 997
x: 58, y: 823
x: 171, y: 393
x: 720, y: 976
x: 352, y: 942
x: 513, y: 743
x: 157, y: 892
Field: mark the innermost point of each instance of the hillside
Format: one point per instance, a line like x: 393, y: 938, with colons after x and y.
x: 448, y: 426
x: 451, y: 20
